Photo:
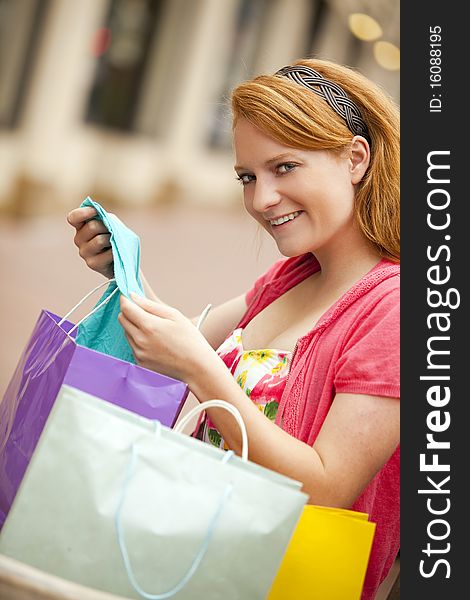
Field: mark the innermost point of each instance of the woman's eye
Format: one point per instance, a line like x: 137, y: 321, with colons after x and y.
x: 245, y: 178
x: 285, y: 168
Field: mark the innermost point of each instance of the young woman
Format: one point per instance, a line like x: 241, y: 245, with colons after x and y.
x: 310, y: 354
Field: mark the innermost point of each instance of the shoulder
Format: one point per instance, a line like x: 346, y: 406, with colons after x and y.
x: 381, y: 303
x: 290, y: 267
x: 284, y: 273
x: 382, y: 282
x: 385, y: 290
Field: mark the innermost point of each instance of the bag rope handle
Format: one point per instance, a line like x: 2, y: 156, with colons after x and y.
x: 72, y: 310
x: 215, y: 517
x: 201, y: 320
x: 201, y: 408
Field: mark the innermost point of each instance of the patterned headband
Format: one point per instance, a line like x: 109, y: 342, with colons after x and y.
x: 331, y: 92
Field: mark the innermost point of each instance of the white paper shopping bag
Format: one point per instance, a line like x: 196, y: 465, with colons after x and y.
x: 123, y: 504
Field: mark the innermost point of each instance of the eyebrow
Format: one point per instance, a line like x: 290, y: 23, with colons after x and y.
x: 269, y: 162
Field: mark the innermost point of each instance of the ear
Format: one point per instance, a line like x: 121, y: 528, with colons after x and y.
x: 359, y: 157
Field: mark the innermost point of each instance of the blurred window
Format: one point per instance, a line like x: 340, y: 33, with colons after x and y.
x: 20, y: 26
x: 166, y: 71
x: 245, y: 44
x: 140, y: 52
x: 329, y: 36
x: 316, y: 19
x: 122, y: 50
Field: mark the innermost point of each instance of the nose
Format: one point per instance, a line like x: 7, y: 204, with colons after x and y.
x: 265, y: 195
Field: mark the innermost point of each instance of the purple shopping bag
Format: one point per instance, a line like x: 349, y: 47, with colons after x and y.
x: 52, y: 358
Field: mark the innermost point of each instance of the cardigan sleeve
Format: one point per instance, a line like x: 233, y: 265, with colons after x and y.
x: 370, y: 360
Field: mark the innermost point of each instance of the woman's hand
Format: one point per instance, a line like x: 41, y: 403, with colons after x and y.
x: 92, y: 240
x: 163, y: 339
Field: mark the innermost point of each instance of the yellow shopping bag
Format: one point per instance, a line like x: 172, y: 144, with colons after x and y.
x: 327, y: 556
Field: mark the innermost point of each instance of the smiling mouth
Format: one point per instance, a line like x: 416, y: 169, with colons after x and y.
x: 285, y: 218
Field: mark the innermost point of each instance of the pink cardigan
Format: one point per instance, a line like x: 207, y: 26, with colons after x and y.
x: 353, y: 348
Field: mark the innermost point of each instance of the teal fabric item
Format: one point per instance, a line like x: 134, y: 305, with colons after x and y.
x: 102, y: 331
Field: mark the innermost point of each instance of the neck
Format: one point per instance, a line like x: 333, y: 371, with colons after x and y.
x: 347, y: 263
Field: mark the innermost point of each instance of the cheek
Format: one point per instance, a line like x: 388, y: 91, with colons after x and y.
x: 342, y: 217
x: 248, y: 203
x: 338, y: 202
x: 249, y: 209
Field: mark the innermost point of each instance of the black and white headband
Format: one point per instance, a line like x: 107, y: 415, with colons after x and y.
x: 329, y: 91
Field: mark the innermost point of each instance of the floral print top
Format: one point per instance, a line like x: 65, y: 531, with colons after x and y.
x: 260, y: 373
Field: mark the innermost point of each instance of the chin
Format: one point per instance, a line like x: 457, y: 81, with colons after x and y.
x: 290, y: 252
x: 292, y: 246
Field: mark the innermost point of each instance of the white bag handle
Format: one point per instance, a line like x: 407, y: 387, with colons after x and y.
x: 201, y: 320
x: 72, y: 310
x: 218, y: 404
x: 212, y: 526
x: 203, y: 316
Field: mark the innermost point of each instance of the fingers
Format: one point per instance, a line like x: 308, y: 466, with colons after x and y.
x: 154, y: 307
x: 131, y: 330
x: 93, y: 242
x: 96, y: 252
x: 79, y: 216
x: 94, y: 246
x: 92, y: 239
x: 102, y: 262
x: 157, y: 308
x: 142, y: 311
x: 134, y: 313
x: 89, y: 230
x: 133, y: 336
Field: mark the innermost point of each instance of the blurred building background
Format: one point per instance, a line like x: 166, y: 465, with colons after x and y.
x: 126, y: 101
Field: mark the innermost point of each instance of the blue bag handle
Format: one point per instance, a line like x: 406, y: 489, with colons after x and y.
x: 214, y: 520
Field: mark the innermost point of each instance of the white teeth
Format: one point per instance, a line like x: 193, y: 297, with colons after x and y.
x: 289, y: 217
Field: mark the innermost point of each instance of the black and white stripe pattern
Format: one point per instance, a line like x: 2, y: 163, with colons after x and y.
x: 329, y: 91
